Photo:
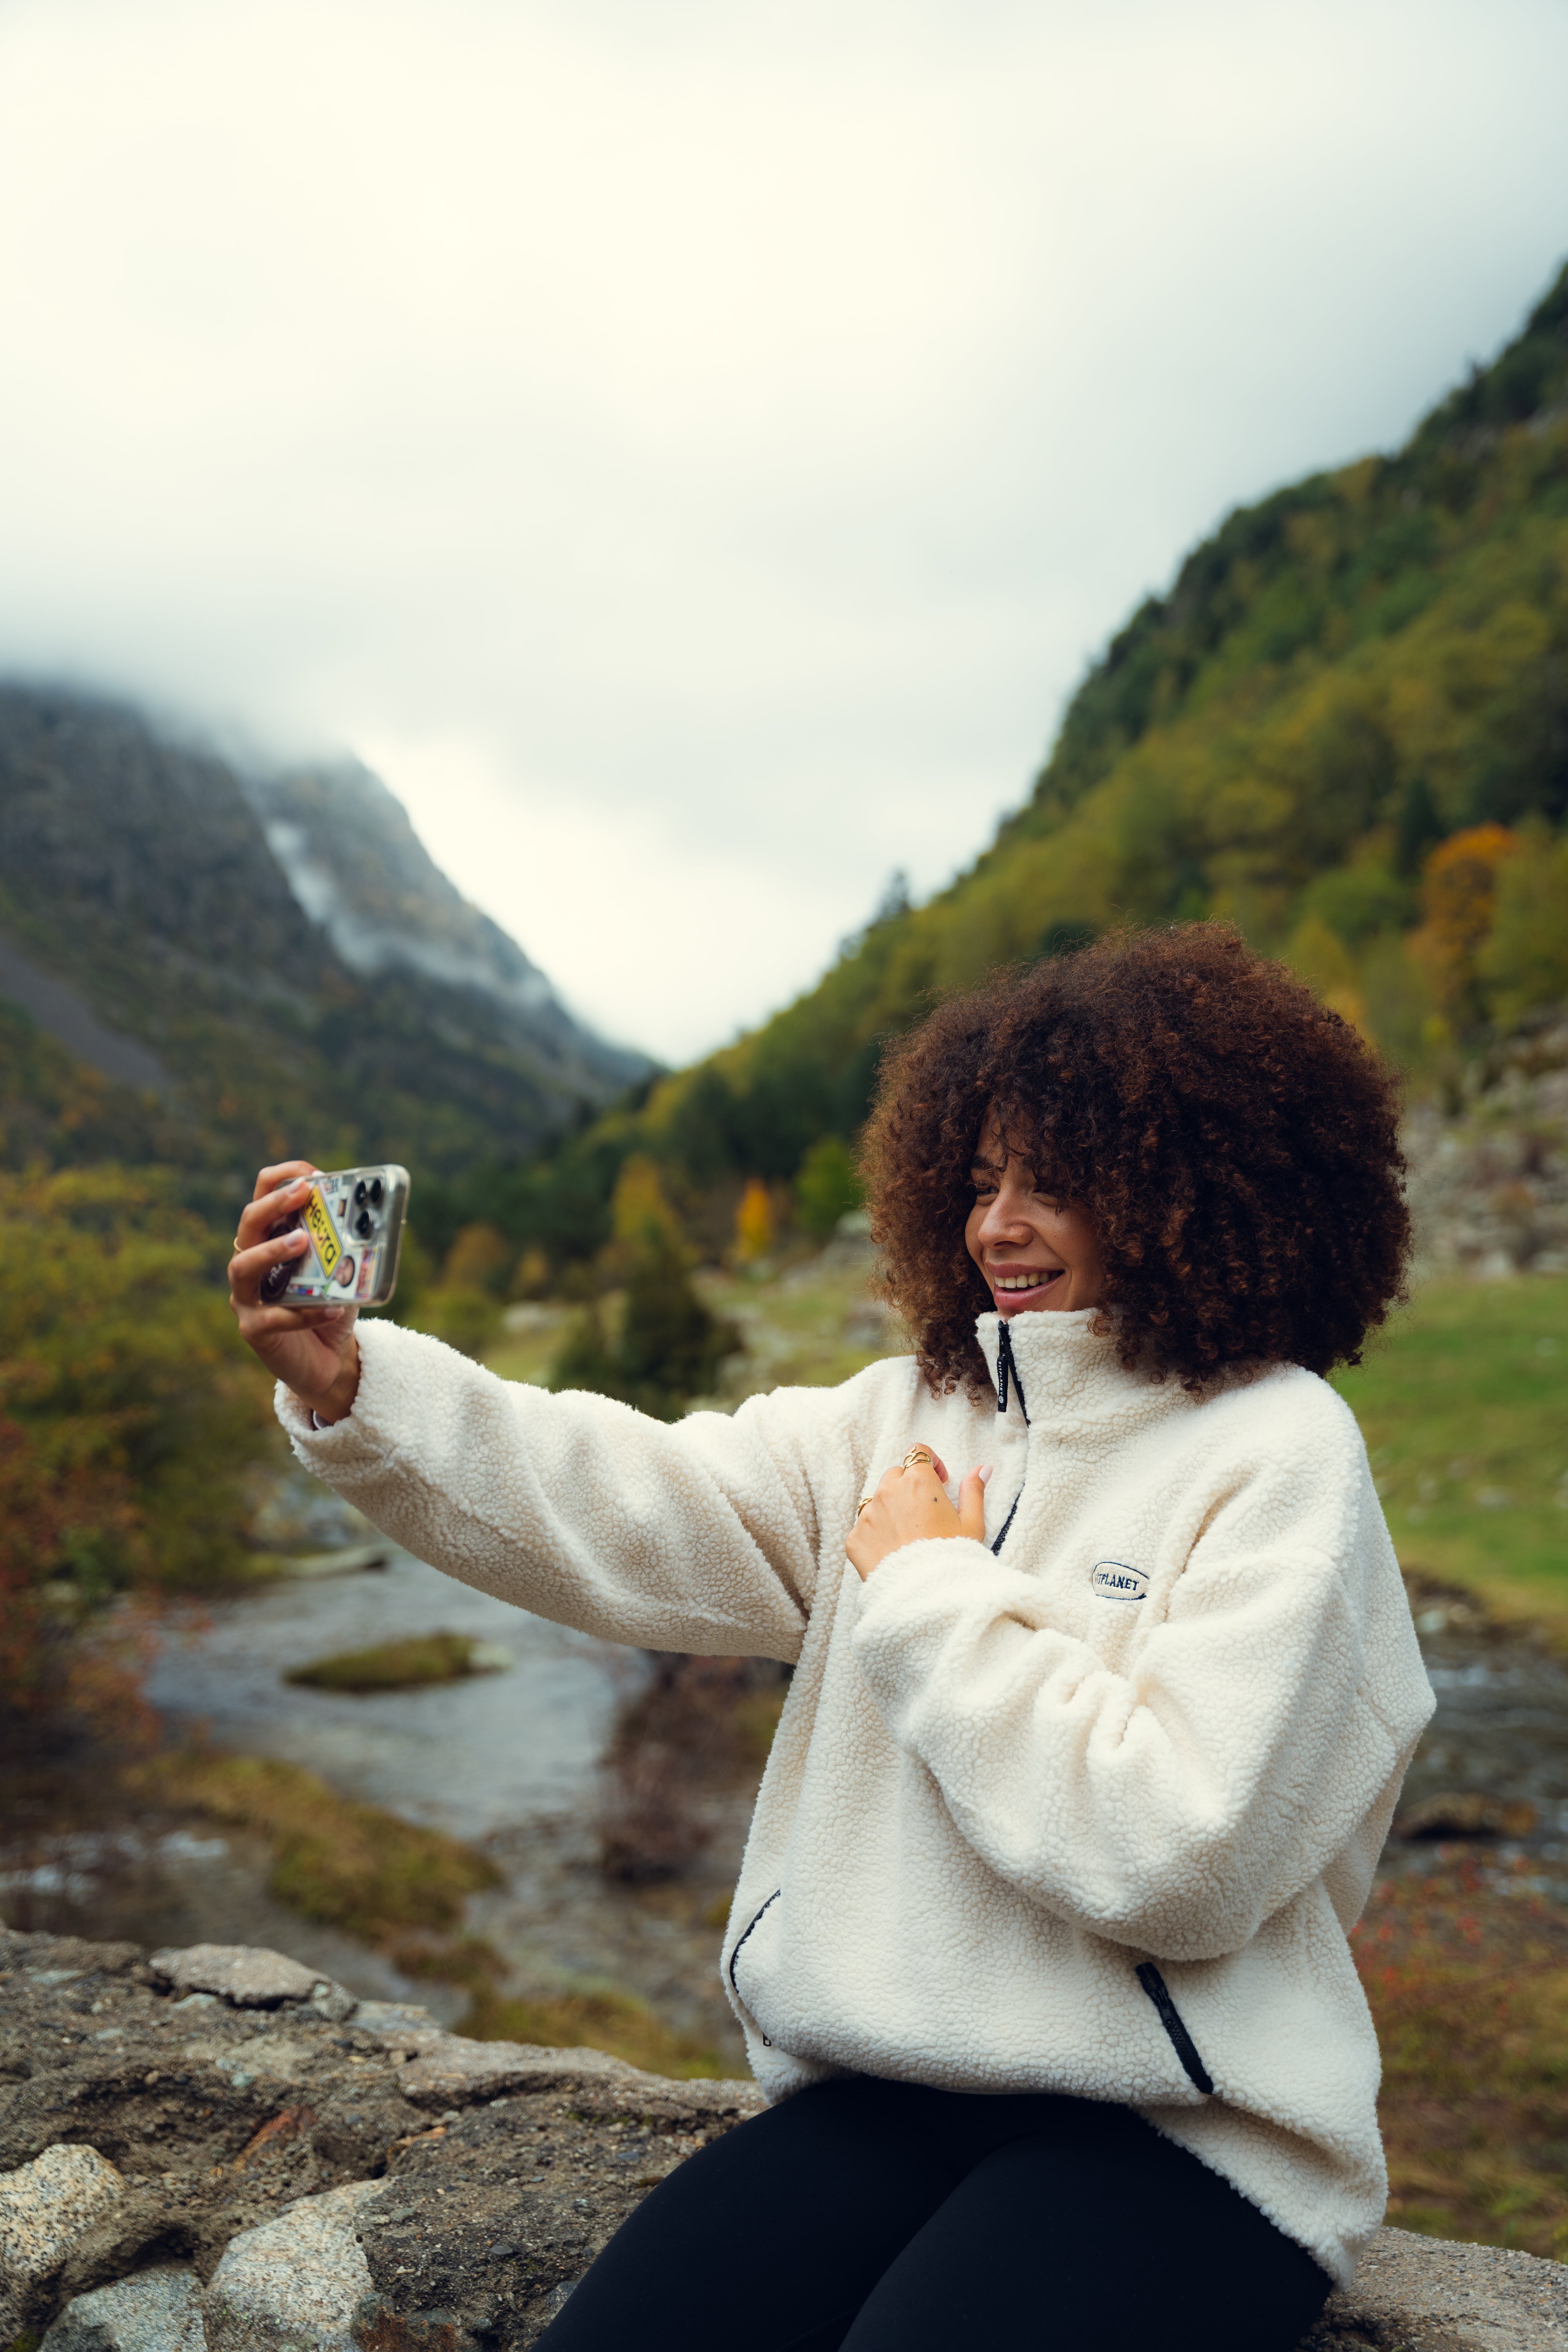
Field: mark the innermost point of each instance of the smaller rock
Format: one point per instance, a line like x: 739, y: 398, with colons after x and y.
x: 47, y: 2208
x: 293, y: 2285
x: 397, y: 2024
x: 452, y: 2072
x: 242, y: 1974
x: 279, y: 2054
x: 334, y: 2001
x: 157, y: 2311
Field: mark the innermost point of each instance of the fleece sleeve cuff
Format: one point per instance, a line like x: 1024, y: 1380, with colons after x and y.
x: 910, y: 1604
x: 359, y: 1440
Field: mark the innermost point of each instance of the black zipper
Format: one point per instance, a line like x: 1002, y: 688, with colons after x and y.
x: 735, y: 1955
x: 1182, y: 2041
x: 1007, y: 1370
x: 1002, y: 1536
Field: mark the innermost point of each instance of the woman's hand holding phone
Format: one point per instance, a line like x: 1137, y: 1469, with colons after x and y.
x: 311, y: 1349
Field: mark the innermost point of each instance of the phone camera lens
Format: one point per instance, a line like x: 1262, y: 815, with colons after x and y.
x: 364, y: 1224
x: 362, y: 1192
x: 377, y: 1193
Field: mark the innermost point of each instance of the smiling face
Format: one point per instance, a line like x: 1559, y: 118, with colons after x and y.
x: 1033, y: 1249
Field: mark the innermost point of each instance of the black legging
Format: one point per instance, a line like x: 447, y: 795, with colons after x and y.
x: 888, y: 2218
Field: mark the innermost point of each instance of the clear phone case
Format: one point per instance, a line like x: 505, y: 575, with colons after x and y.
x: 354, y: 1218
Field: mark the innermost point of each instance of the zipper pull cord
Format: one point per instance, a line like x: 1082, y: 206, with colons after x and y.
x: 1007, y: 1369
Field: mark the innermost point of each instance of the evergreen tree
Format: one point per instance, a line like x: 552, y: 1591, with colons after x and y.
x: 669, y: 1348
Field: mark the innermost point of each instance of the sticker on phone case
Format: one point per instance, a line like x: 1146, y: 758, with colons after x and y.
x: 323, y: 1231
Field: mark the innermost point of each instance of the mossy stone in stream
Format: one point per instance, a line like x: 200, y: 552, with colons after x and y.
x: 403, y: 1666
x: 352, y: 1866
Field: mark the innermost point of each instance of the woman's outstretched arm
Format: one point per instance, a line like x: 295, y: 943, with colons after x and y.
x: 702, y: 1537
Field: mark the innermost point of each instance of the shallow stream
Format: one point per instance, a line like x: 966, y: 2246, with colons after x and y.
x: 1500, y: 1732
x: 470, y: 1756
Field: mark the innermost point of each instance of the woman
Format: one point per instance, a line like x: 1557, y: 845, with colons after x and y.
x: 1039, y: 1944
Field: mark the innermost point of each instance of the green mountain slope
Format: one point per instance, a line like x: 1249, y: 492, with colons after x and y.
x: 1345, y: 676
x: 204, y: 968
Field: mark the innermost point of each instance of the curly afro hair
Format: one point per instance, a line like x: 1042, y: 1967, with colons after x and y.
x: 1235, y: 1142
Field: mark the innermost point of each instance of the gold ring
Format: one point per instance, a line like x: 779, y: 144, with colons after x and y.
x: 921, y: 1455
x: 236, y: 1244
x: 862, y: 1503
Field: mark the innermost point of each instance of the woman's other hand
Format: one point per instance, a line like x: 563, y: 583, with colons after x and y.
x: 910, y: 1505
x: 311, y: 1349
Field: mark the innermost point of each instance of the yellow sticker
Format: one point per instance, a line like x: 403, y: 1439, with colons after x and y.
x: 323, y: 1231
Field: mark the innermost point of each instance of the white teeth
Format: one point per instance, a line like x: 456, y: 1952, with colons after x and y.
x: 1024, y: 1281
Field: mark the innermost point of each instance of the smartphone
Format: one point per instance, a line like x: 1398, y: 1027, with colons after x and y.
x: 354, y: 1218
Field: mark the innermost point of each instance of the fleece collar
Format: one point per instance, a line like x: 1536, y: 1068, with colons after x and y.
x: 1075, y: 1390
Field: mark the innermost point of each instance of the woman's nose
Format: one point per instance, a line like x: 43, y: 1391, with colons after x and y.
x: 1003, y: 1221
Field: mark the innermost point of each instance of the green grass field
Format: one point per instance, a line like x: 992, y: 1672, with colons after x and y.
x: 1463, y: 1403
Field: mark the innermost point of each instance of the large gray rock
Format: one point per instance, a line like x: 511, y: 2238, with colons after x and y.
x: 1432, y: 2294
x: 47, y: 2208
x: 293, y: 2285
x: 158, y: 2310
x: 249, y: 1978
x: 473, y: 2181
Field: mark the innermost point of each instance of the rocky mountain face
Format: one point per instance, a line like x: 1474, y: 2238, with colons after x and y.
x: 216, y: 2150
x: 358, y: 868
x: 276, y: 959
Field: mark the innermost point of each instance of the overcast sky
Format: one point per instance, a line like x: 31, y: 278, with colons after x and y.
x: 691, y: 448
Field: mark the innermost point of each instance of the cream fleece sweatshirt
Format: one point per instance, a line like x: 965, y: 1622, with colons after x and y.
x: 1092, y: 1815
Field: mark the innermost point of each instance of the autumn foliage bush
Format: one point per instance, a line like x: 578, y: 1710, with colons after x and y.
x: 1459, y: 901
x: 128, y: 1419
x: 1465, y: 1970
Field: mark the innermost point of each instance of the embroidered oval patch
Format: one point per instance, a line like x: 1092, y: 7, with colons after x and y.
x: 1114, y: 1580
